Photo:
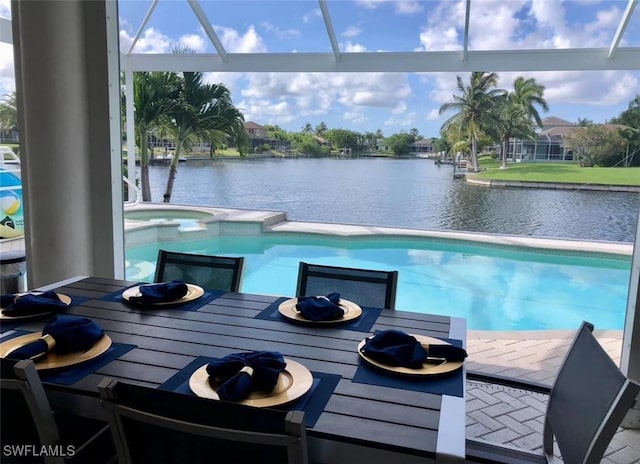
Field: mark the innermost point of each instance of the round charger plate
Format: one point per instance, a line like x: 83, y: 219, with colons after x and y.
x: 61, y: 296
x: 193, y: 293
x: 293, y: 382
x: 56, y: 360
x: 351, y: 311
x: 426, y: 369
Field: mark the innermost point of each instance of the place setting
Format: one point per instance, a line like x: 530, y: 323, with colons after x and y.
x: 65, y: 341
x: 258, y: 379
x: 414, y: 362
x: 322, y: 311
x: 173, y: 294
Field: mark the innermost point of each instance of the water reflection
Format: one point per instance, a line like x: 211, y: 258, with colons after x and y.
x: 411, y: 193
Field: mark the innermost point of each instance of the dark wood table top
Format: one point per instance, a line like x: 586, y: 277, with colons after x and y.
x: 387, y: 419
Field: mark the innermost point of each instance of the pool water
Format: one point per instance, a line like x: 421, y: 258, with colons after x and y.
x: 494, y: 288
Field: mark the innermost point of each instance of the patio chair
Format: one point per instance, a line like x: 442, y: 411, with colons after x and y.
x: 27, y: 418
x: 209, y: 271
x: 366, y: 287
x: 157, y: 426
x: 587, y: 402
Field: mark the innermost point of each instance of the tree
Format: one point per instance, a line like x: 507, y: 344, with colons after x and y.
x: 399, y: 143
x: 596, y: 145
x: 201, y: 111
x: 343, y: 138
x: 8, y: 112
x: 307, y: 128
x: 584, y: 122
x: 153, y: 96
x: 517, y: 110
x: 321, y: 129
x: 473, y: 108
x: 631, y: 119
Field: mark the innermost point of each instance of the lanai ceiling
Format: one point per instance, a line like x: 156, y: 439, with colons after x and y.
x: 465, y: 52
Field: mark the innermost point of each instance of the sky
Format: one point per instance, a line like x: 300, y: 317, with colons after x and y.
x: 391, y: 102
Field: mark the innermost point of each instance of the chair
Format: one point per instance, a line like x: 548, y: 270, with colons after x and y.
x: 74, y: 439
x: 366, y: 287
x: 587, y: 402
x: 157, y: 426
x: 210, y: 272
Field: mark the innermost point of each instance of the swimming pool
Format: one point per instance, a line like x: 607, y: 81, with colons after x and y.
x: 493, y: 287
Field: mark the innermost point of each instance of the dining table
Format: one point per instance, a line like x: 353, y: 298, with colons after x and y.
x: 354, y: 411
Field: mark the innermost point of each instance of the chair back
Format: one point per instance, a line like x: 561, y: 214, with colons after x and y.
x: 210, y: 272
x: 587, y: 403
x: 23, y: 396
x: 155, y: 426
x: 366, y: 287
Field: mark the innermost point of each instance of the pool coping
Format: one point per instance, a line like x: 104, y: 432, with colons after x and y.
x: 277, y: 222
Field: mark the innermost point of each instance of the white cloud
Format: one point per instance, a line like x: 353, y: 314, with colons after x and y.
x: 400, y: 6
x: 400, y: 108
x: 5, y: 9
x: 312, y: 15
x: 234, y: 42
x: 408, y: 121
x: 351, y: 31
x: 194, y: 42
x: 7, y: 73
x: 356, y: 118
x: 151, y: 41
x: 280, y: 33
x: 353, y: 48
x: 433, y: 115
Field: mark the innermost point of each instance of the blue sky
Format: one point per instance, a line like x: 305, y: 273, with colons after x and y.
x: 391, y: 102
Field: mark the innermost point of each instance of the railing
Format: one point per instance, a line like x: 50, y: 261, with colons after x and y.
x: 135, y: 188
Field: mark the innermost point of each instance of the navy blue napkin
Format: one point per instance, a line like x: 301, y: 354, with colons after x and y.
x: 161, y: 293
x: 69, y: 334
x: 240, y: 373
x: 320, y: 308
x: 28, y: 304
x: 395, y: 348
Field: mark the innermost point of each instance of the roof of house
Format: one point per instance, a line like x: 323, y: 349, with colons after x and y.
x: 253, y: 125
x: 553, y: 121
x: 422, y: 143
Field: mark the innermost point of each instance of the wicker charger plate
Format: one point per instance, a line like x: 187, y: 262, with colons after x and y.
x: 428, y: 368
x: 351, y: 311
x: 55, y: 360
x: 293, y: 382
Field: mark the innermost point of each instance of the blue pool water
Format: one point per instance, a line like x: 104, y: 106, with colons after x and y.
x: 494, y: 288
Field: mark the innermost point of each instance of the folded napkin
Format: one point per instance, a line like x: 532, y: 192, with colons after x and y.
x: 26, y: 304
x: 238, y: 374
x: 320, y: 308
x: 161, y: 293
x: 62, y: 334
x: 396, y: 348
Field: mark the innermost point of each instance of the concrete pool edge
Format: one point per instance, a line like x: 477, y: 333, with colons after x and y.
x: 277, y: 222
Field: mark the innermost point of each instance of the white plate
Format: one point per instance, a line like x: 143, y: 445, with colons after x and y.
x: 193, y: 293
x: 62, y: 297
x: 426, y: 369
x: 351, y: 311
x: 293, y: 382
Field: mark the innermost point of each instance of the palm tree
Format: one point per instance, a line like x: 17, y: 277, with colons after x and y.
x: 201, y: 111
x: 8, y: 112
x: 512, y: 122
x: 528, y: 94
x: 153, y: 94
x: 473, y: 108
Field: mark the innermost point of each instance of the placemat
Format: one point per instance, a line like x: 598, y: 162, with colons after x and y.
x: 312, y: 402
x: 451, y: 384
x: 209, y: 295
x: 362, y: 324
x: 72, y: 374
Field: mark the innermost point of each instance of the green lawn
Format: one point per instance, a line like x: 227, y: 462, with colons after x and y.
x: 558, y: 172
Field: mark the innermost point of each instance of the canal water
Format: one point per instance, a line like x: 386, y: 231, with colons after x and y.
x: 407, y: 193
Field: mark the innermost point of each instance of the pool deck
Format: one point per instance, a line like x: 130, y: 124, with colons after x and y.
x: 496, y: 414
